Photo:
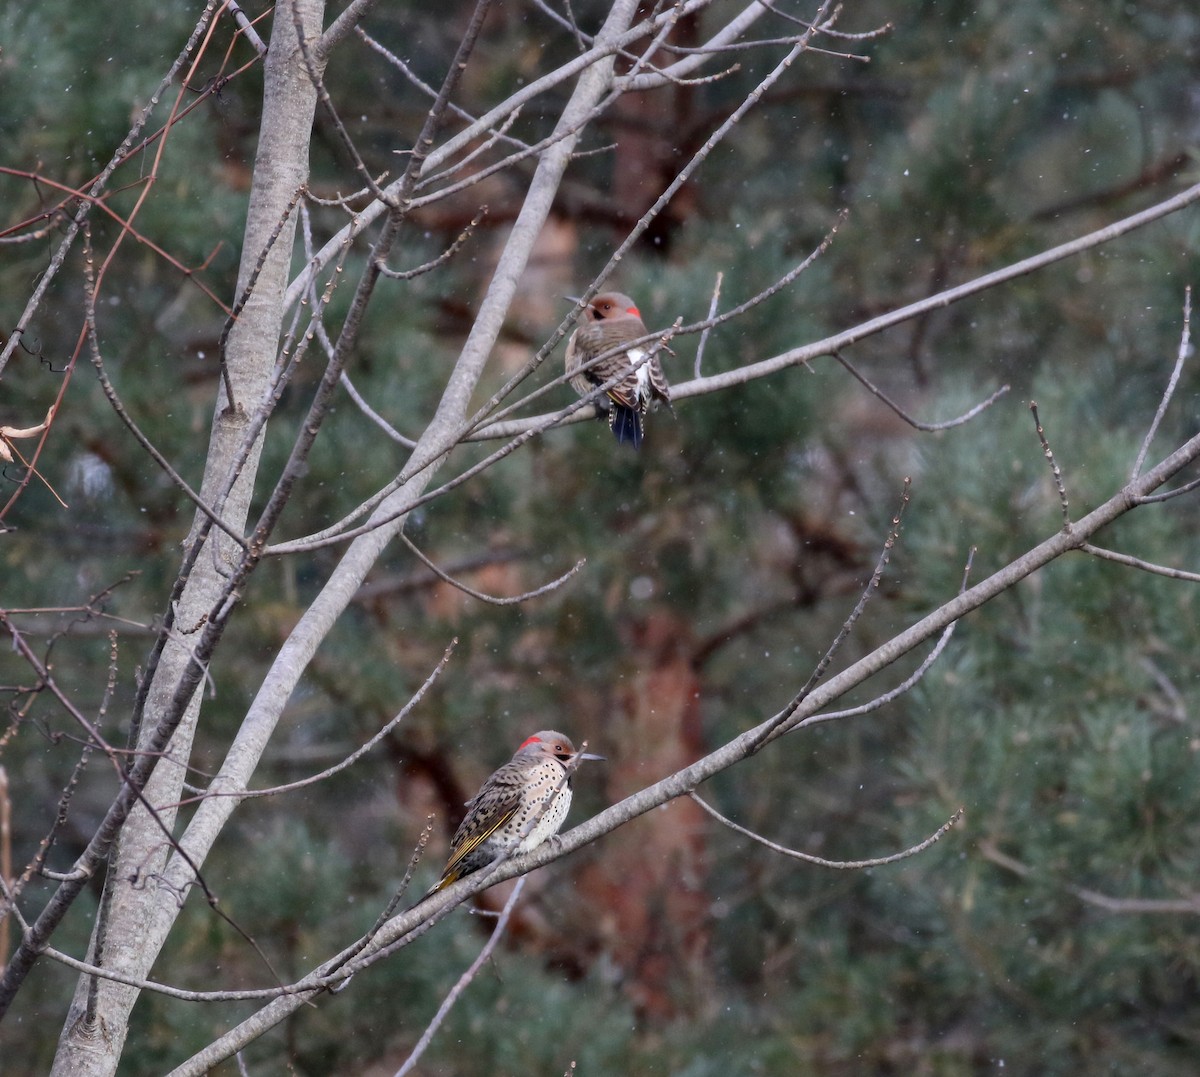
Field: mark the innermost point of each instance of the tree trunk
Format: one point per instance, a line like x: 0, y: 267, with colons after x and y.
x: 135, y: 919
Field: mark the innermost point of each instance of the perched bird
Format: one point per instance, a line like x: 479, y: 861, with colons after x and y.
x: 605, y: 323
x: 520, y: 806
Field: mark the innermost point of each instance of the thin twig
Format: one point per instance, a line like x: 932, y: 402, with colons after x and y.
x: 46, y: 277
x: 441, y: 259
x: 966, y: 417
x: 712, y: 313
x: 110, y: 393
x: 1173, y: 381
x: 492, y: 600
x: 909, y: 682
x: 892, y: 694
x: 1167, y: 495
x: 361, y: 402
x: 409, y: 582
x: 1054, y: 469
x: 100, y: 973
x: 314, y: 62
x: 868, y: 592
x: 759, y: 43
x: 827, y: 29
x: 354, y: 756
x: 1137, y: 562
x: 820, y: 861
x: 770, y: 730
x: 461, y: 985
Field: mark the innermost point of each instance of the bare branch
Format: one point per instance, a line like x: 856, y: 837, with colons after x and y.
x: 820, y: 861
x: 966, y: 417
x: 712, y: 313
x: 770, y: 729
x: 441, y: 259
x: 362, y: 405
x: 684, y: 781
x: 246, y: 27
x: 607, y: 45
x: 354, y: 756
x: 416, y: 581
x: 1184, y: 349
x: 499, y: 133
x: 110, y: 392
x: 348, y: 20
x: 101, y: 973
x: 830, y: 345
x: 1137, y: 562
x: 940, y: 299
x: 1168, y: 495
x: 461, y: 984
x: 827, y: 29
x: 1054, y: 469
x: 492, y: 600
x: 100, y: 183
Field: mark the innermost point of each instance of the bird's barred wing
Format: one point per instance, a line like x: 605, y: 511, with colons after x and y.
x: 658, y: 381
x: 625, y: 392
x: 494, y: 812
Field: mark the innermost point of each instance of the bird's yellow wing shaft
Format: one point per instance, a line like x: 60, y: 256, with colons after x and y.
x: 488, y: 820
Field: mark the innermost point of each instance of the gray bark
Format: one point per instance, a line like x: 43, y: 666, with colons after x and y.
x: 128, y: 938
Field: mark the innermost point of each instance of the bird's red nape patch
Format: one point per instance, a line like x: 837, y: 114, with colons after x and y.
x: 634, y: 311
x: 532, y: 740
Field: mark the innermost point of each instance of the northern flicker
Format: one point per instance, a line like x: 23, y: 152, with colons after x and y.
x: 604, y: 324
x: 520, y: 806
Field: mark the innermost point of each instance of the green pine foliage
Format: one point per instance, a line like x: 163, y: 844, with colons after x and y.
x: 1061, y: 717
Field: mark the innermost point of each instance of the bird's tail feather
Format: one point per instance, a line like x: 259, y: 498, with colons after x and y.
x: 626, y: 424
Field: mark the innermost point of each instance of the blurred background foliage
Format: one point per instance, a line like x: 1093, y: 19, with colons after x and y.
x: 720, y: 562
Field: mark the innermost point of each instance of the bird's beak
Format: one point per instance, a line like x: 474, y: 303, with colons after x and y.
x: 589, y: 755
x: 572, y: 298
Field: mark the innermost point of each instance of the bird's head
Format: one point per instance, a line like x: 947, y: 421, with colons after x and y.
x: 551, y: 745
x: 609, y: 305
